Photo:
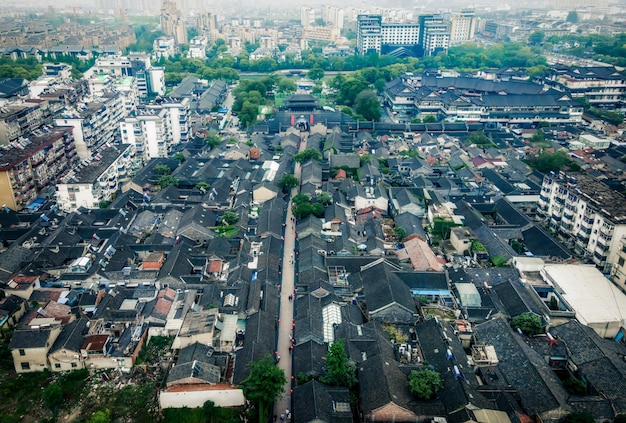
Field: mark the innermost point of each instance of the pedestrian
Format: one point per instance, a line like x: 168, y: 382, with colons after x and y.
x: 282, y: 417
x: 287, y: 413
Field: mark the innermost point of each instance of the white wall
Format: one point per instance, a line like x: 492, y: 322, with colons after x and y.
x: 221, y: 397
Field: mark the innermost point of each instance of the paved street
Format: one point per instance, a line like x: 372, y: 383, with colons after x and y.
x: 287, y: 299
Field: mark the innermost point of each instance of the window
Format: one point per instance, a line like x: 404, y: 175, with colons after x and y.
x: 25, y: 366
x: 57, y: 365
x: 74, y: 364
x: 620, y: 262
x: 22, y: 352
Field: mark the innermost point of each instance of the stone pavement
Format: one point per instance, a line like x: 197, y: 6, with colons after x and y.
x: 287, y: 300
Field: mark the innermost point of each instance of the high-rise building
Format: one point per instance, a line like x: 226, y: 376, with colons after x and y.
x: 156, y: 129
x: 462, y: 26
x: 307, y: 16
x: 172, y: 23
x: 96, y: 180
x: 587, y: 214
x: 434, y: 34
x: 369, y: 34
x: 32, y: 166
x: 332, y: 15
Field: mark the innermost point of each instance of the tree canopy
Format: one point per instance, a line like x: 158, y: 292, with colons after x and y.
x: 308, y: 154
x: 341, y: 371
x: 547, y: 162
x: 264, y: 385
x: 288, y: 181
x: 529, y: 323
x: 367, y: 105
x: 425, y: 383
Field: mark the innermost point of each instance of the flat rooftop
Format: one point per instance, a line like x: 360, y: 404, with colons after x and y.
x: 99, y: 163
x: 610, y: 202
x: 11, y: 155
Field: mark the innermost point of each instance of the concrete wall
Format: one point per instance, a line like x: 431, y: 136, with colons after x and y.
x: 221, y: 397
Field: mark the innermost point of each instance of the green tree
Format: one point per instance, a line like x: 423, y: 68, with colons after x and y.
x: 316, y: 73
x: 264, y: 384
x: 100, y: 417
x: 167, y: 180
x: 53, y: 396
x: 179, y: 156
x: 317, y: 209
x: 203, y: 186
x: 213, y: 140
x: 546, y: 162
x: 425, y: 383
x: 286, y: 85
x: 162, y: 169
x: 340, y: 370
x: 572, y: 17
x: 400, y: 232
x: 538, y: 136
x: 536, y: 37
x: 529, y: 323
x: 429, y: 119
x: 324, y: 198
x: 288, y: 181
x: 306, y: 155
x: 230, y: 217
x: 367, y: 105
x: 300, y: 199
x: 479, y: 138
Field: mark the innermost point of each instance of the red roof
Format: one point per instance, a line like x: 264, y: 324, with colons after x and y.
x: 215, y: 266
x: 95, y: 343
x: 341, y: 174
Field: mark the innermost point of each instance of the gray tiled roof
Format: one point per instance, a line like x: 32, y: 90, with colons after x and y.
x: 525, y: 370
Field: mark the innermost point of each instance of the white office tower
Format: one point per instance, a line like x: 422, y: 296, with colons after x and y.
x: 462, y: 26
x: 369, y: 34
x: 332, y: 15
x: 307, y: 16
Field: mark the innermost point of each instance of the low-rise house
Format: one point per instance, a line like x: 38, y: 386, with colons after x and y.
x: 30, y: 347
x: 198, y: 376
x: 386, y: 295
x: 522, y: 368
x: 315, y: 402
x: 12, y: 308
x: 65, y: 353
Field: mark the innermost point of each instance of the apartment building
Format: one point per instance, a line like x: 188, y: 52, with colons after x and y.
x: 322, y: 33
x: 151, y: 81
x: 172, y: 22
x: 114, y: 65
x: 587, y: 214
x: 462, y: 26
x: 332, y: 15
x: 95, y: 123
x: 307, y: 16
x: 197, y: 47
x: 164, y: 47
x: 434, y: 34
x: 31, y: 166
x: 618, y: 271
x: 18, y: 120
x: 155, y: 129
x: 96, y: 179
